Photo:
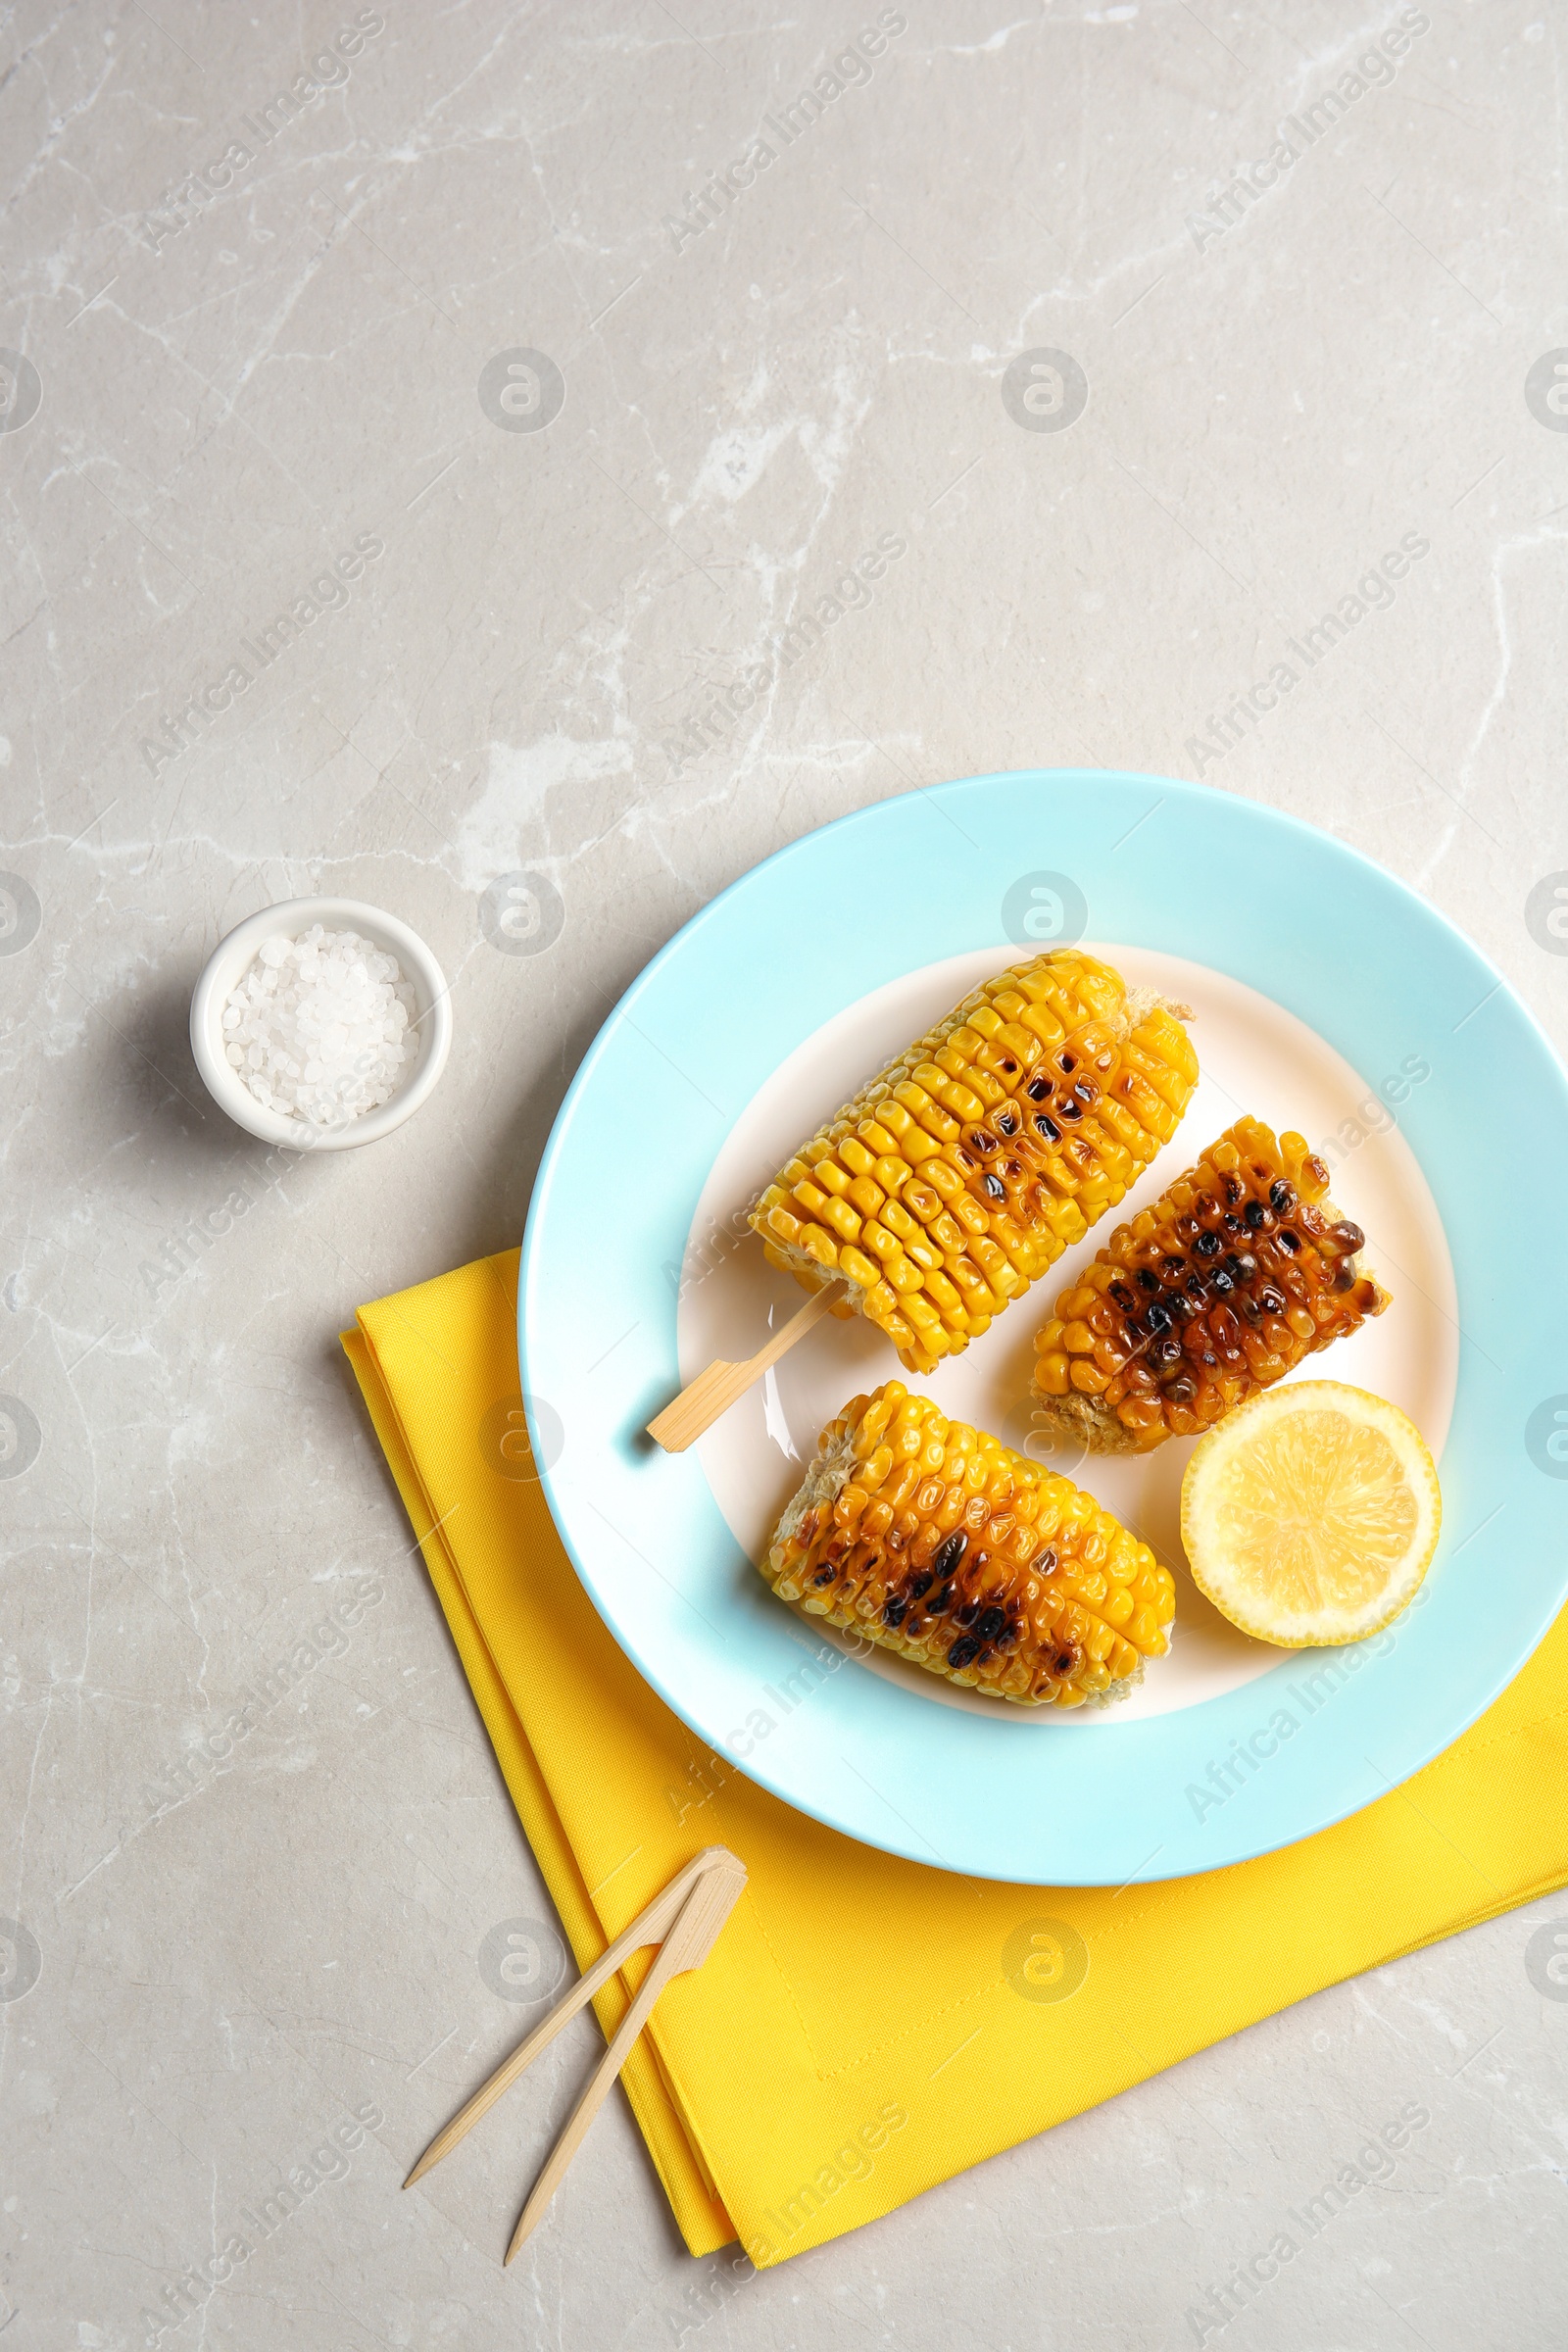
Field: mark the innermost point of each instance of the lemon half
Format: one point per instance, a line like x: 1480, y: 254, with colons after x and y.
x: 1310, y: 1514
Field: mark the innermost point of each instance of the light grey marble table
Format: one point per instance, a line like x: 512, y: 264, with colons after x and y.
x: 1144, y: 330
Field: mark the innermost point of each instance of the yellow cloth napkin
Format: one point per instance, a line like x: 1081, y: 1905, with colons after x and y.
x: 866, y: 2027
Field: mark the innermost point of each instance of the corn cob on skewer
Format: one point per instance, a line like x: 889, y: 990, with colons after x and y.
x: 958, y: 1174
x: 1243, y: 1267
x: 942, y: 1543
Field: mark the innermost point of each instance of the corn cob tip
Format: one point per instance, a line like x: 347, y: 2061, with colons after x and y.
x: 1142, y: 1002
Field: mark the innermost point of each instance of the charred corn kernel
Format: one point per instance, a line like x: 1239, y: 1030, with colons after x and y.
x: 1241, y: 1269
x: 984, y: 1151
x: 999, y: 1574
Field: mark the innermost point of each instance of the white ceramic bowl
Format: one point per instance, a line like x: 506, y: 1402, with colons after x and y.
x: 232, y: 956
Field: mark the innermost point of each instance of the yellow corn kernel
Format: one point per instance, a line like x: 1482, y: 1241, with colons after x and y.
x: 920, y: 1201
x: 994, y: 1264
x: 875, y: 1138
x: 968, y: 1211
x: 843, y: 1219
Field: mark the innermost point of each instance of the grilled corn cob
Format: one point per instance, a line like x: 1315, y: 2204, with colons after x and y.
x: 962, y: 1171
x: 1240, y: 1270
x: 942, y: 1543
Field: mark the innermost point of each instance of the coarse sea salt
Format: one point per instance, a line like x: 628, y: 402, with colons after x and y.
x: 319, y: 1027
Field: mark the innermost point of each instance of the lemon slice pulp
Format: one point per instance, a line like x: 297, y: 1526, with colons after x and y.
x: 1310, y: 1514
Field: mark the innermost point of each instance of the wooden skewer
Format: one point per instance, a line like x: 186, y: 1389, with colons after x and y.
x: 699, y: 1404
x: 687, y: 1945
x: 684, y: 1921
x: 651, y: 1926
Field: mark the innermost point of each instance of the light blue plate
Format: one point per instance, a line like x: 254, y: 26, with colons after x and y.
x: 1176, y: 867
